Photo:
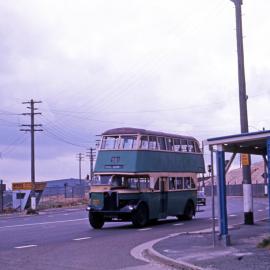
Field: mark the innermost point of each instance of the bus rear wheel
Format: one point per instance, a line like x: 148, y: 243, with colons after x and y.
x: 188, y: 212
x: 96, y: 220
x: 140, y: 216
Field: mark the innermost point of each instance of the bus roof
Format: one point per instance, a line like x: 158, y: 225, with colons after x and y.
x: 136, y: 131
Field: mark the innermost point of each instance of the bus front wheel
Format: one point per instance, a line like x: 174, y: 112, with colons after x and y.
x: 96, y: 220
x: 140, y: 216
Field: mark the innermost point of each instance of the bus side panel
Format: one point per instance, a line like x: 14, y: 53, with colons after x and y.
x: 177, y: 201
x: 153, y: 201
x: 148, y: 161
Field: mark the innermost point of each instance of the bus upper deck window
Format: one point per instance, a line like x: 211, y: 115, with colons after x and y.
x: 197, y: 148
x: 161, y: 143
x: 191, y: 146
x: 110, y: 142
x: 169, y: 144
x: 144, y: 142
x: 128, y: 142
x: 152, y: 142
x: 177, y: 145
x: 184, y: 145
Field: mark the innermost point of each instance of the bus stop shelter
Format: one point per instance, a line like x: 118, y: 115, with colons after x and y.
x: 256, y: 143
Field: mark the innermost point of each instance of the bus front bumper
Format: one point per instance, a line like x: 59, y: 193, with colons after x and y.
x: 123, y: 214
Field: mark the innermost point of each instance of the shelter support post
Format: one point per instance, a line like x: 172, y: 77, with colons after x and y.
x: 223, y: 221
x: 247, y: 192
x: 268, y: 165
x: 213, y: 199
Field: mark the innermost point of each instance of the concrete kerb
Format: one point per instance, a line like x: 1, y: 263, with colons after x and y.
x: 159, y: 258
x: 146, y: 253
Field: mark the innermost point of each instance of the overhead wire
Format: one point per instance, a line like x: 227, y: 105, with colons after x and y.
x: 119, y: 87
x: 57, y: 137
x: 154, y: 64
x: 12, y: 145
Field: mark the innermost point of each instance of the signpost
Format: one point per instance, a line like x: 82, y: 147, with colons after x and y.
x: 22, y: 193
x: 264, y: 176
x: 2, y: 189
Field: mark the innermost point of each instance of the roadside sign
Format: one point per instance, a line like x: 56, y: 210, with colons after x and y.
x: 245, y: 159
x: 28, y: 186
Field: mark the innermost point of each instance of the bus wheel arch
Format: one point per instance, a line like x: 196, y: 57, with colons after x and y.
x: 189, y: 211
x: 140, y: 215
x: 96, y: 220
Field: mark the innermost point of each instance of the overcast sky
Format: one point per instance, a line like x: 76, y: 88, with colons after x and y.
x: 95, y: 65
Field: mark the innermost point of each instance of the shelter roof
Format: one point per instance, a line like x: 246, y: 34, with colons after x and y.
x: 254, y: 143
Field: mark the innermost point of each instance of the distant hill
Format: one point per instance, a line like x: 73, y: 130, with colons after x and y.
x: 235, y: 176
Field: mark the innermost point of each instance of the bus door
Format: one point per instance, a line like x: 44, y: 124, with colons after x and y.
x: 163, y: 197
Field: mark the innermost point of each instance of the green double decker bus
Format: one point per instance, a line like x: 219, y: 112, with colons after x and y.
x: 142, y: 176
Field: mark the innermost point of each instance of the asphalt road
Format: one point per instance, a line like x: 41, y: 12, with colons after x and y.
x: 63, y: 239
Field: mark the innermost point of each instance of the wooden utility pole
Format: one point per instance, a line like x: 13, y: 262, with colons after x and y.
x: 31, y: 128
x: 247, y: 186
x: 91, y: 154
x: 80, y: 159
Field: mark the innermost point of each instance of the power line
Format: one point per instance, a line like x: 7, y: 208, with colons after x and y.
x: 57, y: 137
x: 63, y: 131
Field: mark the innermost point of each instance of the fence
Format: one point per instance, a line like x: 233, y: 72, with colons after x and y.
x: 7, y: 200
x: 237, y: 190
x: 79, y: 194
x: 64, y: 196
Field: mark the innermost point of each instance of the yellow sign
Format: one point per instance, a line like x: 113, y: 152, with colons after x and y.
x: 39, y: 186
x: 245, y: 159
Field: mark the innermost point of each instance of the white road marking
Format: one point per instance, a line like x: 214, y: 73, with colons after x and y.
x: 43, y: 223
x: 260, y: 210
x: 178, y: 224
x: 212, y: 218
x: 66, y: 214
x: 82, y: 238
x: 170, y: 251
x: 145, y: 229
x: 28, y: 246
x: 232, y: 215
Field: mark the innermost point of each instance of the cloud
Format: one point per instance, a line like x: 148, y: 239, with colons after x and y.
x: 103, y: 64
